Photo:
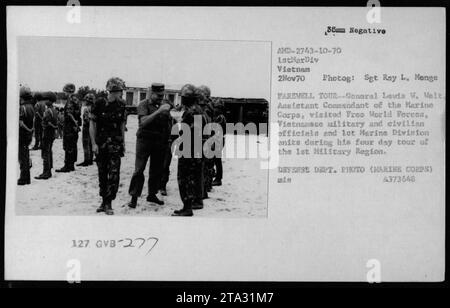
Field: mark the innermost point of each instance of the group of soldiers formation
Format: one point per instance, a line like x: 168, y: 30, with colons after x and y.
x: 103, y: 125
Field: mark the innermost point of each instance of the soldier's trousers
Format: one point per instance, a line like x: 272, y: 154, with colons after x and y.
x: 166, y: 166
x: 108, y: 173
x: 60, y: 131
x: 87, y: 146
x: 47, y: 154
x: 70, y: 148
x: 219, y: 168
x: 24, y: 160
x: 37, y: 133
x: 200, y: 188
x: 144, y: 150
x: 208, y: 173
x: 189, y: 173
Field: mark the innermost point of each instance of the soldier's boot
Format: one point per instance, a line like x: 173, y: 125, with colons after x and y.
x: 185, y: 211
x: 66, y: 168
x: 205, y: 194
x: 83, y: 164
x: 154, y: 199
x: 163, y: 191
x: 89, y: 162
x: 108, y: 207
x: 71, y: 167
x: 197, y: 204
x: 43, y: 176
x: 36, y: 147
x: 101, y: 208
x: 23, y: 181
x: 217, y: 182
x: 133, y: 203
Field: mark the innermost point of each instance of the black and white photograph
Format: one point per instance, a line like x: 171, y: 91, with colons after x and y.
x: 67, y: 169
x: 225, y: 144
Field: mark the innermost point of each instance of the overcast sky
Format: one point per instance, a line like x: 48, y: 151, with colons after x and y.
x: 230, y: 68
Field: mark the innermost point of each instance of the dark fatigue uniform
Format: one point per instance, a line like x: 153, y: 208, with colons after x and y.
x: 167, y: 159
x: 60, y: 123
x: 208, y: 171
x: 109, y: 118
x: 151, y: 142
x: 190, y: 168
x: 71, y: 130
x: 49, y: 122
x: 220, y: 119
x: 87, y: 144
x: 26, y: 115
x: 39, y: 109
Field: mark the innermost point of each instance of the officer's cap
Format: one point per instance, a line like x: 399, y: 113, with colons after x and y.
x: 157, y: 88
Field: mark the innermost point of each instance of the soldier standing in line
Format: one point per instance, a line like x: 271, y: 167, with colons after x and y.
x: 208, y: 169
x: 152, y: 138
x: 87, y: 144
x: 72, y: 123
x: 189, y: 168
x: 49, y: 125
x: 26, y: 118
x: 107, y: 129
x: 219, y: 118
x: 39, y: 109
x: 60, y: 122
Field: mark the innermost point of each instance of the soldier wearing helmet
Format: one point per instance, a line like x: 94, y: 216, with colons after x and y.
x: 208, y: 163
x: 151, y: 142
x: 87, y: 144
x: 39, y: 109
x: 49, y: 126
x: 26, y: 118
x: 190, y: 160
x: 219, y: 118
x: 107, y: 131
x: 72, y: 123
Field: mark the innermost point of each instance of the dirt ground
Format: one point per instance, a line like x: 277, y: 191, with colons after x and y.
x: 242, y: 194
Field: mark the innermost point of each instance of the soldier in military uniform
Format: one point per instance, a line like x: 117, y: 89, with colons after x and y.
x: 208, y: 163
x: 107, y: 128
x: 167, y: 160
x: 87, y: 144
x: 219, y: 118
x: 26, y: 118
x: 189, y: 168
x: 72, y: 123
x: 49, y: 125
x: 39, y: 109
x: 152, y: 139
x: 60, y: 122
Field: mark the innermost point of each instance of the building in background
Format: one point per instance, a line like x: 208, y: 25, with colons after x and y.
x: 133, y: 95
x: 237, y: 110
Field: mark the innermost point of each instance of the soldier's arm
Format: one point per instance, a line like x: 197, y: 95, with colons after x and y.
x: 37, y: 114
x: 93, y: 129
x: 49, y: 114
x: 145, y: 120
x: 21, y: 123
x: 92, y: 134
